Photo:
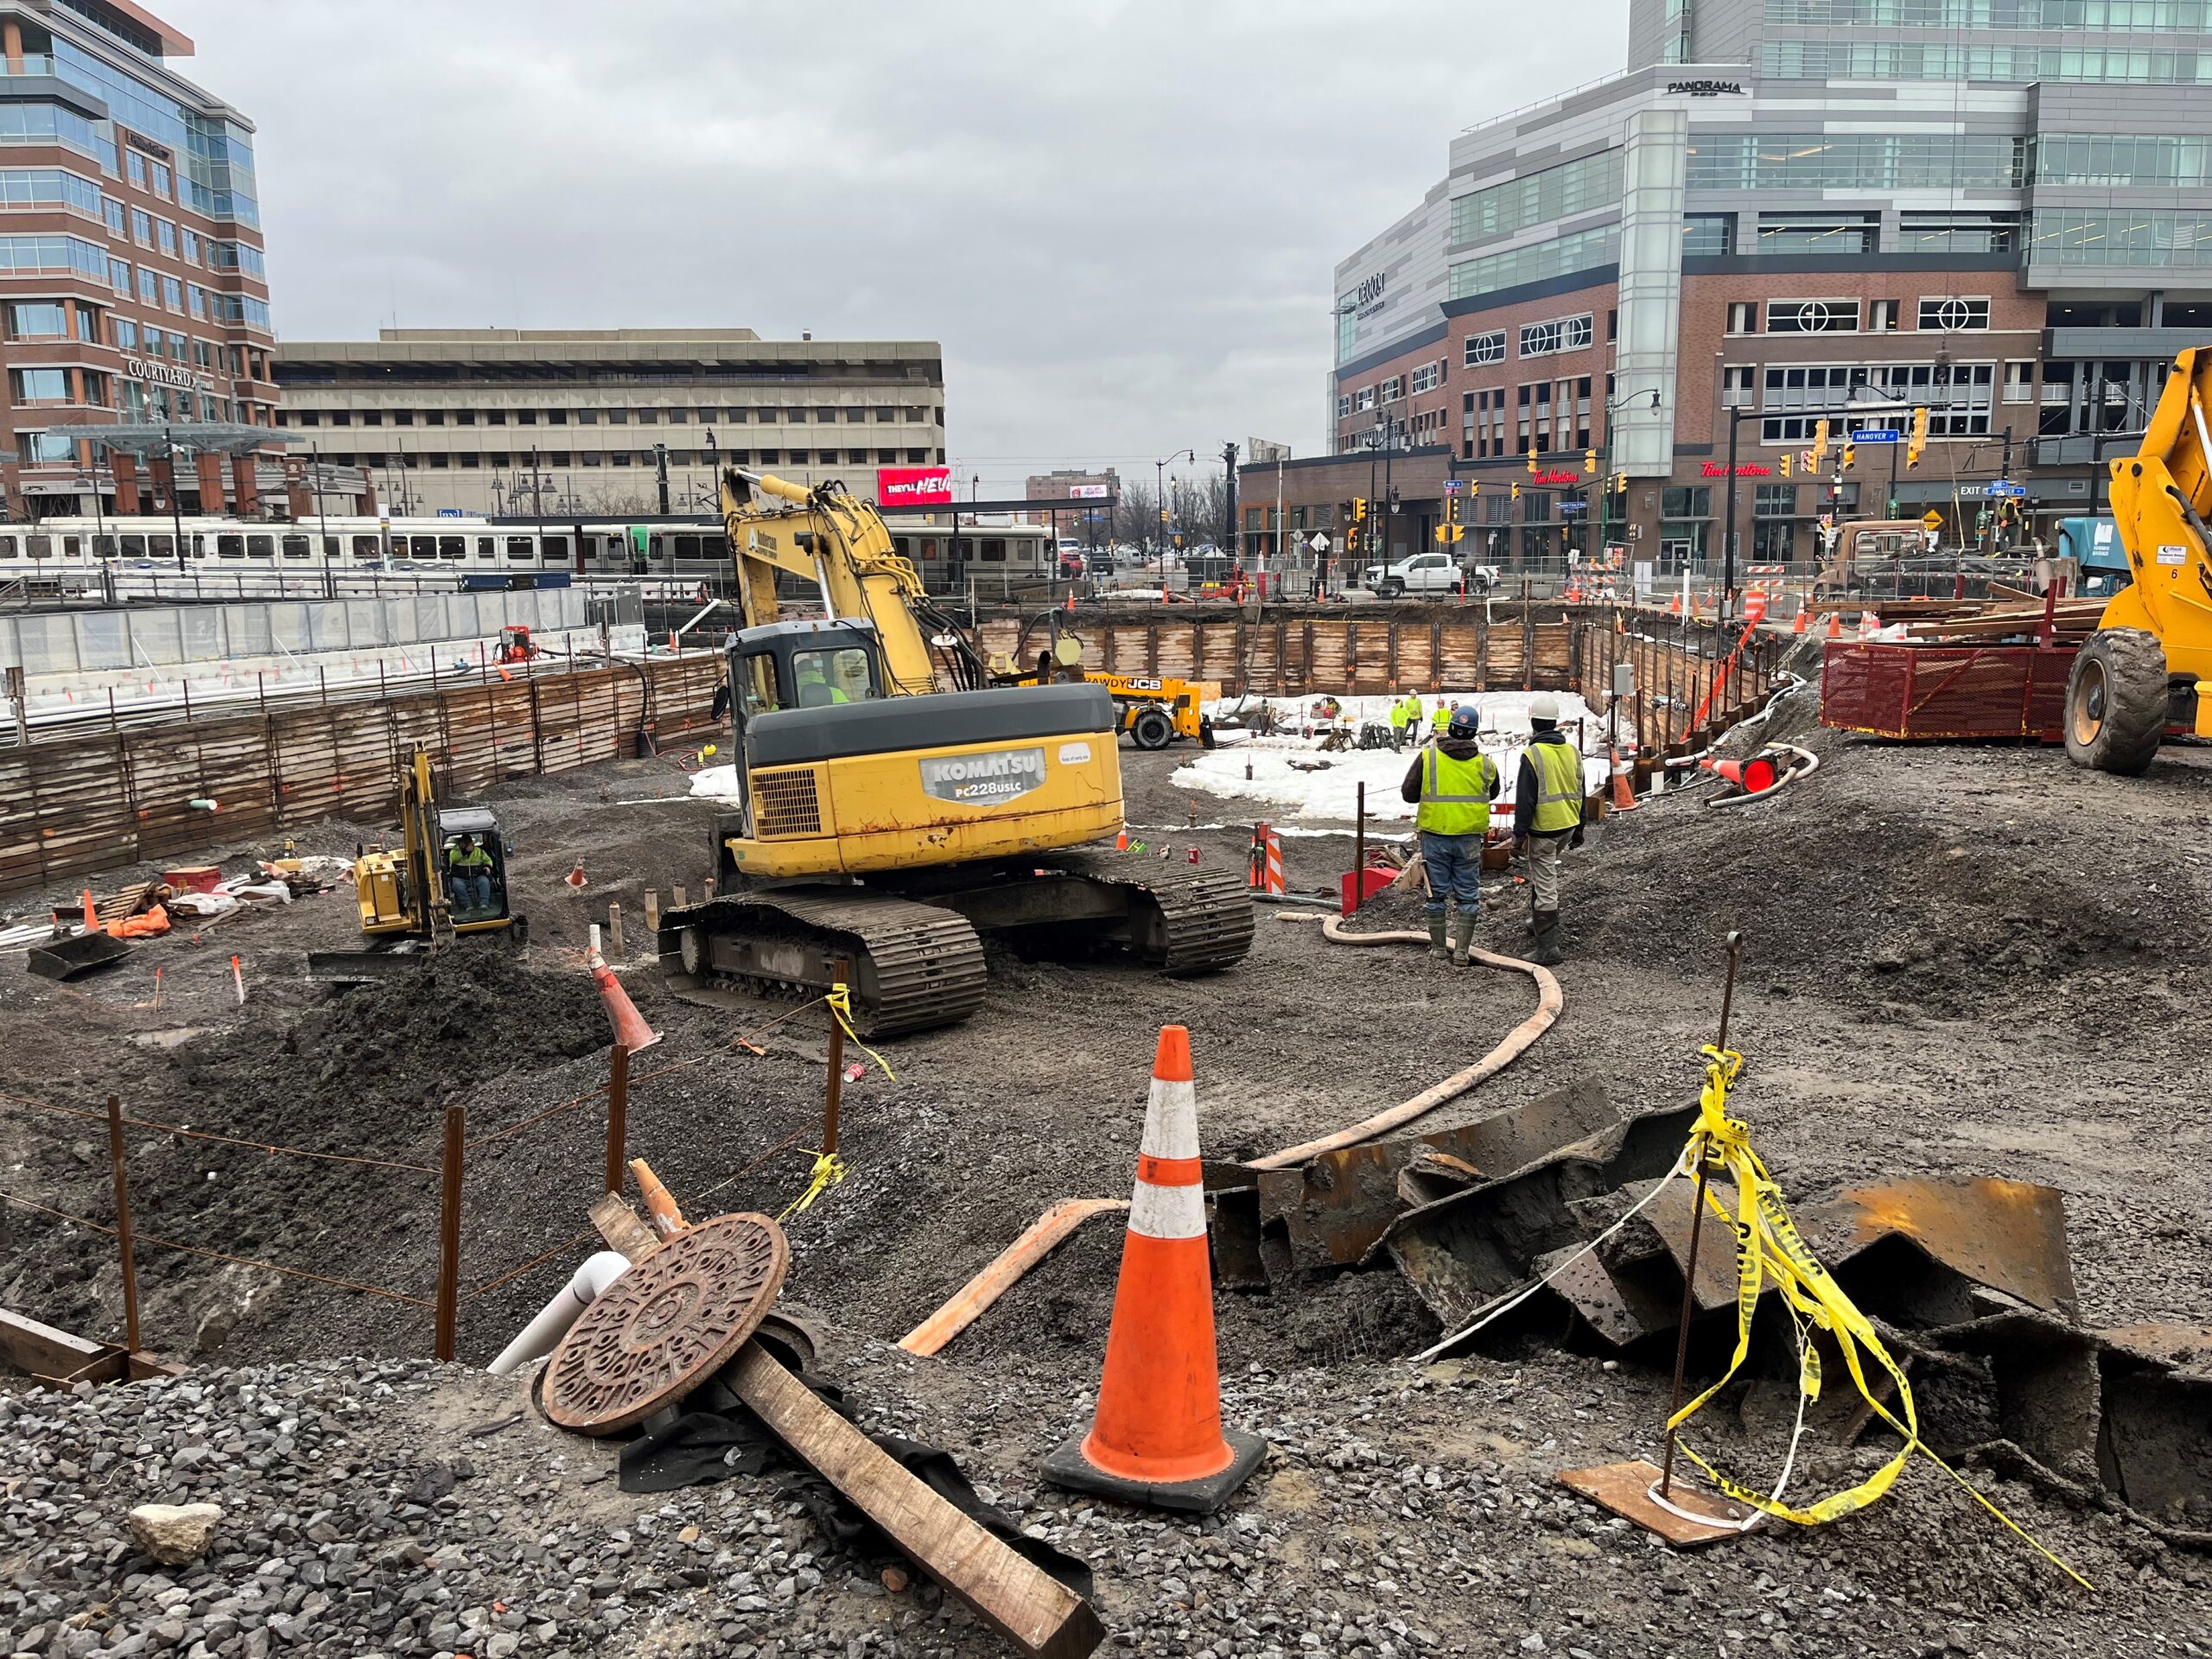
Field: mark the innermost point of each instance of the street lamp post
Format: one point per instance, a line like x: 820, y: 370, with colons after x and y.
x: 176, y: 506
x: 1160, y: 504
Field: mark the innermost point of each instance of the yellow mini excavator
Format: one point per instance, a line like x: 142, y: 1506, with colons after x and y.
x: 883, y: 819
x: 406, y: 907
x: 2146, y: 669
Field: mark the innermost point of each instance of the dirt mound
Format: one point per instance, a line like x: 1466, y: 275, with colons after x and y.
x: 1858, y: 884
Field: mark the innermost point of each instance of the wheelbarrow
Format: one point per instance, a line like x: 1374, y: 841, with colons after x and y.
x: 81, y: 954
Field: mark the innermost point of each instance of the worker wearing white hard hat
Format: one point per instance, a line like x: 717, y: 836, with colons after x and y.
x: 1546, y: 817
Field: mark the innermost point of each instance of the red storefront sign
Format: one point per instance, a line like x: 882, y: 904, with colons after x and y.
x: 1744, y: 469
x: 913, y: 487
x: 1559, y: 478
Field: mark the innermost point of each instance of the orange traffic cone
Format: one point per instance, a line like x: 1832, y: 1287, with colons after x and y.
x: 1158, y: 1437
x: 1754, y: 777
x: 1835, y: 625
x: 1122, y: 840
x: 1798, y: 627
x: 630, y: 1027
x: 1624, y: 791
x: 576, y: 879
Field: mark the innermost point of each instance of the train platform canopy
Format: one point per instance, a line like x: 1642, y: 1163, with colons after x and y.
x: 203, y: 437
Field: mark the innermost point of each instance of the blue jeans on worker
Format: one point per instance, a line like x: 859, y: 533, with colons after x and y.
x: 469, y: 892
x: 1454, y: 864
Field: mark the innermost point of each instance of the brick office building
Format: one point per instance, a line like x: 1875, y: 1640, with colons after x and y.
x: 132, y: 288
x: 1779, y: 206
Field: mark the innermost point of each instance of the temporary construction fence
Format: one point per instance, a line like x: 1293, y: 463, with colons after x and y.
x: 100, y: 801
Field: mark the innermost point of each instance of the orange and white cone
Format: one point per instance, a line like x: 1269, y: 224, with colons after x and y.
x: 1158, y: 1437
x: 630, y: 1027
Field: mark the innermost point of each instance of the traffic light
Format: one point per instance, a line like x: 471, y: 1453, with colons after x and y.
x: 1532, y: 457
x: 1788, y: 463
x: 1850, y: 456
x: 1451, y: 506
x: 1620, y: 483
x: 1517, y: 489
x: 1359, y: 509
x: 1919, y: 439
x: 1589, y: 461
x: 1473, y: 490
x: 1820, y: 444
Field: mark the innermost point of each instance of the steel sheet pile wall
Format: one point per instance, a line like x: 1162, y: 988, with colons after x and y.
x: 1290, y: 651
x: 84, y: 804
x: 1678, y: 663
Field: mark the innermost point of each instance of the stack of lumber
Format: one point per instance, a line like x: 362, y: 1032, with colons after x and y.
x: 2073, y: 620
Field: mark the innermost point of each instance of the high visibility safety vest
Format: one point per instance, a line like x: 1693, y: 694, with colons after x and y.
x: 1440, y: 719
x: 1455, y: 795
x: 474, y: 858
x: 1398, y: 716
x: 1559, y: 786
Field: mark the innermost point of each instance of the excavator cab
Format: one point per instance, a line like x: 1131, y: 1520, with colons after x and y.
x: 806, y: 665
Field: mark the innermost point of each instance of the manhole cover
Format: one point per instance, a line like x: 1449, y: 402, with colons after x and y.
x: 667, y: 1324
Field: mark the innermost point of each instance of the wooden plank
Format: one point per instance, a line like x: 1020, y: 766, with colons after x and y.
x: 619, y: 1225
x: 51, y: 1356
x: 1031, y: 1609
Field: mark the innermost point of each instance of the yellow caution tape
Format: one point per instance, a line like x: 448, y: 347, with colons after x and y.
x: 1768, y: 1246
x: 828, y: 1170
x: 841, y: 1005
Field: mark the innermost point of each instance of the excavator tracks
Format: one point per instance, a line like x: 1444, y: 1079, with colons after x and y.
x: 1182, y: 921
x: 914, y: 965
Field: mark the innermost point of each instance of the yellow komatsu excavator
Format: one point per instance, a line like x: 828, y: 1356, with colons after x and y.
x: 894, y: 804
x: 447, y: 878
x: 2146, y: 669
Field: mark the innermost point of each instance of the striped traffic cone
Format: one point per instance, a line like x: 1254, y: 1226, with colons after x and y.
x: 1158, y: 1437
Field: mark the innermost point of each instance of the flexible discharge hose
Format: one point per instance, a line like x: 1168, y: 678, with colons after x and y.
x: 1516, y: 1042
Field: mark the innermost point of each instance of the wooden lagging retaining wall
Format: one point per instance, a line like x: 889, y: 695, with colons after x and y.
x: 80, y: 803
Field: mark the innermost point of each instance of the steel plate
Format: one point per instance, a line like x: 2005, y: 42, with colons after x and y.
x: 667, y: 1324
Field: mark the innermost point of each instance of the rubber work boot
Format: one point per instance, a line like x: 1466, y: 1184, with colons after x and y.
x: 1463, y: 936
x: 1548, y: 951
x: 1436, y: 938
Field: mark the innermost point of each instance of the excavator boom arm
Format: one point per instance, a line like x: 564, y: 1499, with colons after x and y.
x: 838, y: 542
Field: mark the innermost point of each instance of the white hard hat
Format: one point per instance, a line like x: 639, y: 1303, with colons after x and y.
x: 1544, y: 705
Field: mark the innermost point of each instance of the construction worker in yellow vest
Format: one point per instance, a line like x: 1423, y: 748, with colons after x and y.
x: 1397, y: 722
x: 1454, y: 782
x: 1547, y: 807
x: 1441, y: 722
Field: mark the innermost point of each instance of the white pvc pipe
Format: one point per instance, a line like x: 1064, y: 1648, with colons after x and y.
x: 542, y: 1334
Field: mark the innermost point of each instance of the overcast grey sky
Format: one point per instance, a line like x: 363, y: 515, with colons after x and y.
x: 1120, y: 219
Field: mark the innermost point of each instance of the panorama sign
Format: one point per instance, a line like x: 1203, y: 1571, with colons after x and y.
x: 983, y: 779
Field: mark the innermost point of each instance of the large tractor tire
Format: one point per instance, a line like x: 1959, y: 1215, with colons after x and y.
x: 2116, y: 701
x: 1152, y: 728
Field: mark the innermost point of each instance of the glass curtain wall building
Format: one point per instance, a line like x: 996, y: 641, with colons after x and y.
x: 133, y: 288
x: 2000, y: 209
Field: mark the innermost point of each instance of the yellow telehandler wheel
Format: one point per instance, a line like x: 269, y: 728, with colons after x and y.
x: 2116, y: 701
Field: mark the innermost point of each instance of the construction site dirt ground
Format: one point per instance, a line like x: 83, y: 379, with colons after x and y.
x: 1958, y: 961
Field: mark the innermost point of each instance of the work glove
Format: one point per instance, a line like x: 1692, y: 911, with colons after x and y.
x: 1519, y: 846
x: 1575, y: 840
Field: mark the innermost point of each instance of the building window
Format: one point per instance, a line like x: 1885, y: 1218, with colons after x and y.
x: 1838, y: 59
x: 1393, y: 389
x: 2019, y: 382
x: 1735, y: 386
x: 37, y: 320
x: 1882, y: 316
x: 1428, y: 377
x: 191, y: 239
x: 1485, y: 348
x: 165, y: 236
x: 1559, y: 334
x: 1842, y: 237
x: 134, y: 167
x: 149, y: 285
x: 41, y: 385
x: 1812, y: 316
x: 1708, y: 234
x: 112, y: 210
x: 1743, y: 317
x: 1852, y: 160
x: 1951, y: 314
x: 1344, y: 406
x: 1775, y: 501
x: 1558, y: 256
x: 172, y: 293
x: 1363, y: 398
x: 1556, y: 192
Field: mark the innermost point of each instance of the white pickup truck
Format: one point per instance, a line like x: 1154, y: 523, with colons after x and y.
x: 1425, y: 573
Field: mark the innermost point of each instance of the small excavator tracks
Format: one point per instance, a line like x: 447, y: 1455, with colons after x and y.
x: 1201, y: 920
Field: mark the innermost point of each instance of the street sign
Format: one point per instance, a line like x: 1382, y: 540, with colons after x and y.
x: 2004, y: 486
x: 1572, y: 507
x: 449, y: 512
x: 1876, y: 435
x: 1451, y: 487
x: 1932, y: 519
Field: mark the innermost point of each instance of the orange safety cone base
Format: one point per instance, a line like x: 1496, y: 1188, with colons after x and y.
x: 1068, y: 1467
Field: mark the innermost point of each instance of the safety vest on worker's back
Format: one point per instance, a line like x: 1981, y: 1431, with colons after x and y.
x: 1559, y: 786
x: 1455, y: 795
x: 1398, y: 716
